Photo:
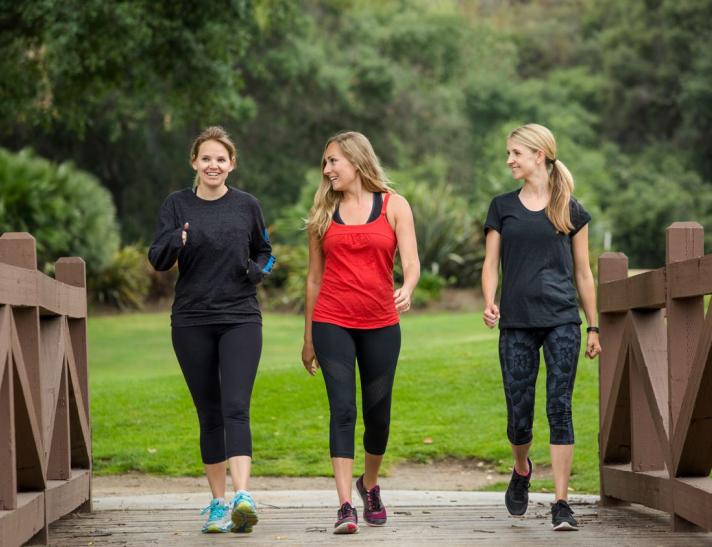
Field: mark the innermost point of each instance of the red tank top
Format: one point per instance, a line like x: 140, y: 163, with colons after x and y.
x: 357, y: 285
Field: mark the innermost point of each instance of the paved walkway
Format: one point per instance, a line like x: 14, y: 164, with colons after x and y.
x: 415, y: 518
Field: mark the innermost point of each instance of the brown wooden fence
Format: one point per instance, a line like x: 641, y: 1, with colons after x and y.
x: 45, y: 437
x: 656, y: 381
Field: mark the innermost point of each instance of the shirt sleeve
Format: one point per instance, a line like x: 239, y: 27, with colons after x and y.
x: 261, y: 259
x: 493, y: 222
x: 167, y: 241
x: 579, y: 217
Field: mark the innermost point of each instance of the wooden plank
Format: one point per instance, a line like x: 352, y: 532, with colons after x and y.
x: 27, y: 325
x: 615, y: 433
x: 692, y: 439
x: 648, y: 385
x: 51, y: 346
x: 685, y: 316
x: 65, y: 496
x: 18, y: 249
x: 78, y: 358
x: 652, y: 489
x: 642, y: 291
x: 80, y: 430
x: 59, y: 298
x: 485, y: 525
x: 25, y: 522
x: 18, y: 286
x: 690, y: 277
x: 59, y: 459
x: 28, y: 435
x: 8, y: 468
x: 693, y: 500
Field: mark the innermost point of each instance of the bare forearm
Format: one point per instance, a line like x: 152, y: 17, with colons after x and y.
x: 587, y: 294
x: 312, y: 290
x: 411, y: 275
x: 490, y: 279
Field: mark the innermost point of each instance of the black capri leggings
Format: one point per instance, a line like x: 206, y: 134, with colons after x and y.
x: 219, y: 363
x: 519, y: 359
x: 337, y: 349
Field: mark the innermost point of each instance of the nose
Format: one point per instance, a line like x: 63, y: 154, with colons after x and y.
x: 327, y: 169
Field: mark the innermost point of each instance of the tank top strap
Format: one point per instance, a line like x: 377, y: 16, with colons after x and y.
x: 385, y: 203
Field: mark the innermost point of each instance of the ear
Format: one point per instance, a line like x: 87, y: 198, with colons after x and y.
x: 540, y: 156
x: 233, y: 164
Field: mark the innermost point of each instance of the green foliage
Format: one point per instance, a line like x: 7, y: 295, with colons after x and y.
x: 449, y: 232
x: 654, y: 192
x: 121, y: 88
x: 124, y: 282
x: 65, y: 209
x: 430, y: 285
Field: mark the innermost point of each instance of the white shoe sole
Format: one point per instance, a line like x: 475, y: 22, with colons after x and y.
x: 564, y: 527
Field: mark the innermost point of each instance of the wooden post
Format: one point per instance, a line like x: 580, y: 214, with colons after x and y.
x: 685, y: 318
x: 611, y: 267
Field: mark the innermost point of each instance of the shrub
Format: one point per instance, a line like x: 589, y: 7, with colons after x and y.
x: 124, y: 282
x: 65, y: 209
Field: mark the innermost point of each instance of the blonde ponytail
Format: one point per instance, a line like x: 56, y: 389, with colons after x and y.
x: 561, y: 182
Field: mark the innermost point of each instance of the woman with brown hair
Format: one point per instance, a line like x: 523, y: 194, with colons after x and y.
x: 352, y: 311
x: 217, y: 235
x: 539, y: 232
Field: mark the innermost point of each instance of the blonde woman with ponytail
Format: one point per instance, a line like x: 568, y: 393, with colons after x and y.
x: 539, y: 235
x: 352, y: 310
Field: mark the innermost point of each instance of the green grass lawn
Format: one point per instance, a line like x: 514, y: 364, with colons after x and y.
x: 448, y: 388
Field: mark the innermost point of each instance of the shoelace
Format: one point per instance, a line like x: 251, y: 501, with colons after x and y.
x: 564, y: 508
x: 374, y: 500
x: 346, y: 511
x: 217, y: 511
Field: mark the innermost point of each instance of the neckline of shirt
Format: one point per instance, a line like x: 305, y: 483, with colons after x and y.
x: 194, y: 192
x: 521, y: 204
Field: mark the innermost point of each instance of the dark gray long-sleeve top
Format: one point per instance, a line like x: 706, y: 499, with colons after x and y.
x: 226, y: 255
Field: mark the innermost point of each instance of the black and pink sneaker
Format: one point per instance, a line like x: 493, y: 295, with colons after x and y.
x: 346, y: 520
x: 373, y: 509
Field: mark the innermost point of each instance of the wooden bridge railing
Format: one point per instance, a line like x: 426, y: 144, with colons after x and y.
x: 45, y: 437
x: 656, y: 381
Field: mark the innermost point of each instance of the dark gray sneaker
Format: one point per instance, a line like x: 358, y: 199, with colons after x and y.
x: 562, y: 517
x: 517, y: 497
x: 346, y: 520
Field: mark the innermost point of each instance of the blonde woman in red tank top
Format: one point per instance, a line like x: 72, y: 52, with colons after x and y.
x: 352, y: 309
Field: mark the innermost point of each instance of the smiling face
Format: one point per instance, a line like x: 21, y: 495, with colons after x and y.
x: 213, y: 163
x: 522, y: 160
x: 337, y: 169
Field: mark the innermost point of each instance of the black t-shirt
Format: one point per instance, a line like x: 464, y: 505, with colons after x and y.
x: 227, y: 253
x: 537, y: 264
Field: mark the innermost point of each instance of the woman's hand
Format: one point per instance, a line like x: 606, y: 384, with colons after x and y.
x: 593, y: 345
x: 184, y: 233
x: 309, y: 358
x: 402, y: 299
x: 491, y: 315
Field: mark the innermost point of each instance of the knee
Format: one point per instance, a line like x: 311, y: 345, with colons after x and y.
x: 519, y: 435
x: 344, y: 416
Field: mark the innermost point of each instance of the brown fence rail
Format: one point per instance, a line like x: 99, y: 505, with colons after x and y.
x: 45, y: 437
x: 656, y: 381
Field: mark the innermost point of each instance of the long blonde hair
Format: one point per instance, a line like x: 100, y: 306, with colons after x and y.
x: 212, y: 133
x: 358, y: 150
x: 561, y: 182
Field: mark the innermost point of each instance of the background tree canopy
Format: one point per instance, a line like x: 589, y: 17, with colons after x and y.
x: 121, y: 88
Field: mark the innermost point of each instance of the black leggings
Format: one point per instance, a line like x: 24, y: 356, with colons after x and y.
x: 337, y: 349
x: 219, y: 363
x: 519, y: 359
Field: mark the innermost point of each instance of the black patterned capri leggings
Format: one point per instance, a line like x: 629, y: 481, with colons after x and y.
x: 519, y: 359
x: 376, y: 350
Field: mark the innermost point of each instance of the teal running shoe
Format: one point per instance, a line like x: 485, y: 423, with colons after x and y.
x: 218, y: 517
x: 243, y: 512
